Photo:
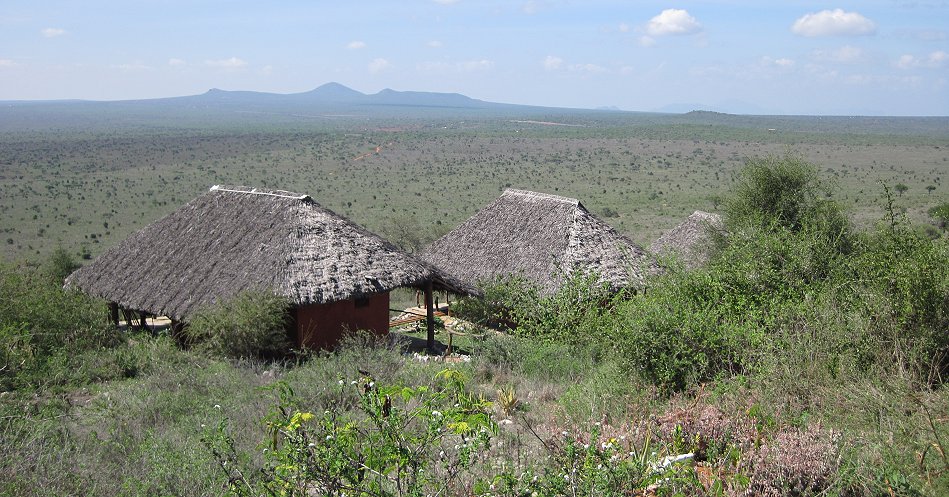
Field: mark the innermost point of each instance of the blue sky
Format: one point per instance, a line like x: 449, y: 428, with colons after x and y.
x: 870, y: 57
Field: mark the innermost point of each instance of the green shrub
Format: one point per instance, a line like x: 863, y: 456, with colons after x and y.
x: 59, y: 265
x: 783, y: 191
x: 688, y: 328
x: 901, y: 282
x: 401, y: 440
x: 785, y: 243
x: 940, y: 215
x: 252, y: 324
x: 44, y: 328
x: 498, y: 301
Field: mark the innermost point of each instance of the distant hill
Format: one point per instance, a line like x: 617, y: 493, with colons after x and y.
x: 336, y: 105
x: 330, y: 95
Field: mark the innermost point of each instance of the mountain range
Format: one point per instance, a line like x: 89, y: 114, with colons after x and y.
x: 327, y: 95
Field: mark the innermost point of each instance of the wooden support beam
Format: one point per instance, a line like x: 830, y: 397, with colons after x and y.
x: 177, y: 332
x: 430, y: 315
x: 114, y: 313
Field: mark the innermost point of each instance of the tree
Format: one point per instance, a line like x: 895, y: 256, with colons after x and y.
x: 940, y: 215
x: 901, y: 188
x: 930, y: 189
x: 59, y: 265
x: 782, y: 192
x: 406, y: 233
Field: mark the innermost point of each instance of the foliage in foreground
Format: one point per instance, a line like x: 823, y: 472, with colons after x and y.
x: 439, y: 438
x: 398, y: 440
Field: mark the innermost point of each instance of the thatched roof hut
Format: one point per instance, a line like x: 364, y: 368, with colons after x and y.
x: 235, y: 239
x: 539, y: 237
x: 691, y: 240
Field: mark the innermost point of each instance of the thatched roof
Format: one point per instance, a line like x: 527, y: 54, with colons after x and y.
x: 539, y: 237
x: 691, y: 240
x: 235, y: 239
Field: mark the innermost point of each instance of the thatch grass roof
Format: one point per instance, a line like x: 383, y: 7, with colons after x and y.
x: 691, y: 240
x: 234, y: 239
x: 539, y: 237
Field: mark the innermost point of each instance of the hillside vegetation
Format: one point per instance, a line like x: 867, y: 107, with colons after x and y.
x: 807, y: 358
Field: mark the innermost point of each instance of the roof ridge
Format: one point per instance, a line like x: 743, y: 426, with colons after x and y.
x: 528, y: 193
x: 260, y: 191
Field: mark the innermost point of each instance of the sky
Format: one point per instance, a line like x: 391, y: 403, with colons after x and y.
x: 868, y: 57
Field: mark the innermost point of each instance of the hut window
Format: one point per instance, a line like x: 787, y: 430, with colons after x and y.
x: 362, y: 302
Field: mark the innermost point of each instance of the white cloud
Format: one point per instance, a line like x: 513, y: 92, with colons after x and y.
x: 446, y: 2
x: 934, y: 60
x: 907, y: 61
x: 136, y: 66
x: 530, y: 7
x: 475, y: 65
x: 846, y: 54
x: 673, y: 22
x: 937, y: 59
x: 378, y: 65
x: 833, y: 23
x: 434, y: 44
x: 779, y: 62
x: 591, y: 68
x: 552, y: 63
x: 647, y: 41
x: 356, y: 45
x: 623, y: 27
x: 52, y: 32
x: 231, y: 63
x: 5, y: 63
x: 173, y: 62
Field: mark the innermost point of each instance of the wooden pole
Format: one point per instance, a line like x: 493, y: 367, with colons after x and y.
x: 430, y: 316
x: 114, y: 313
x: 177, y: 331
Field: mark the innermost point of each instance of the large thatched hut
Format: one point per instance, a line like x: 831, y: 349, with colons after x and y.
x: 335, y: 274
x: 691, y: 240
x: 541, y: 238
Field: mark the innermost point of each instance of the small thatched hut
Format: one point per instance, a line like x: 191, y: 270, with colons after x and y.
x: 691, y: 240
x: 541, y: 238
x: 335, y: 274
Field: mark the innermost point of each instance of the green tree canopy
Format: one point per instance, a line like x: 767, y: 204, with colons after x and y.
x: 940, y: 214
x: 782, y: 192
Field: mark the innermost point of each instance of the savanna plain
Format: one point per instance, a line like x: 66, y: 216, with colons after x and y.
x: 807, y: 358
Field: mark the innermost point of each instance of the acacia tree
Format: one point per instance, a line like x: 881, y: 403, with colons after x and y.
x: 901, y: 188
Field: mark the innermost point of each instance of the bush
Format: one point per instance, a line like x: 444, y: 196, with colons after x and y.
x: 901, y: 281
x: 59, y: 265
x: 403, y: 441
x: 783, y: 192
x: 44, y: 328
x: 940, y: 215
x: 498, y: 302
x: 688, y: 328
x: 252, y: 324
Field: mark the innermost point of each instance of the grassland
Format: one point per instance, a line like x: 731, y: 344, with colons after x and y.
x: 87, y: 188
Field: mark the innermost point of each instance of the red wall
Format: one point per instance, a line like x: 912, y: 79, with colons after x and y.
x: 320, y: 326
